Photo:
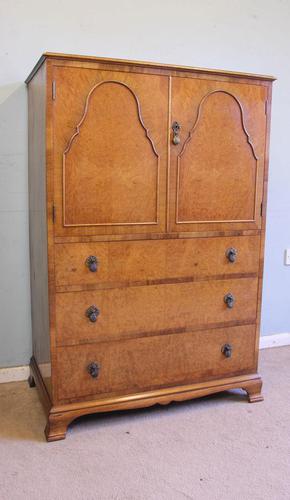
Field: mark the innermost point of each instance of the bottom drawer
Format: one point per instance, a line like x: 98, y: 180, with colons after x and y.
x: 137, y: 365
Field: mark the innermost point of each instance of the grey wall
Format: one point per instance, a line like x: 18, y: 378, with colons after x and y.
x: 248, y: 35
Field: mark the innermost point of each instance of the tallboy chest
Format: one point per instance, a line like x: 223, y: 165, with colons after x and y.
x: 147, y: 221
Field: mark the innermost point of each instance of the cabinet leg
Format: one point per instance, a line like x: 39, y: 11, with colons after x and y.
x: 31, y: 381
x: 56, y: 427
x: 253, y: 390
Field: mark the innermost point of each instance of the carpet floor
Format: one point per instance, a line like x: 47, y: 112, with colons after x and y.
x: 215, y: 448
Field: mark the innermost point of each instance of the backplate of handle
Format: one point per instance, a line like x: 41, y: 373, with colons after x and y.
x: 176, y: 130
x: 227, y: 350
x: 94, y: 369
x: 92, y: 313
x: 229, y: 300
x: 231, y: 254
x: 92, y: 263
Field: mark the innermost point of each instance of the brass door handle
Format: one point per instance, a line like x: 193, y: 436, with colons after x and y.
x: 176, y: 129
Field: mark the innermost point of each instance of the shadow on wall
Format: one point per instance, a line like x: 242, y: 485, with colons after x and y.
x: 15, y: 322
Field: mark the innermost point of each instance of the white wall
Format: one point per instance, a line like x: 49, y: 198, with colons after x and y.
x: 248, y: 35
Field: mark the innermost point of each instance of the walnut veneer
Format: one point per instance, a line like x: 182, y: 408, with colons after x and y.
x: 147, y: 224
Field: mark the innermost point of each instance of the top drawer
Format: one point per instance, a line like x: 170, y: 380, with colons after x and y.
x: 128, y: 262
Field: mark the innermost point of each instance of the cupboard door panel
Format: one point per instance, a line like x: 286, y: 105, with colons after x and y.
x: 217, y: 168
x: 110, y: 151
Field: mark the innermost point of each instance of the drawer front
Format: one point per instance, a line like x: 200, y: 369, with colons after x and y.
x: 135, y: 365
x: 129, y: 262
x: 137, y: 311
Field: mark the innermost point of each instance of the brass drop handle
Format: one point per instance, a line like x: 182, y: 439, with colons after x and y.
x: 176, y: 129
x: 227, y: 350
x: 94, y: 369
x: 229, y: 300
x: 231, y: 254
x: 92, y: 263
x: 92, y: 313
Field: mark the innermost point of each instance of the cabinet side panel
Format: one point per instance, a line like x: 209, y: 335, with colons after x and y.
x: 264, y: 207
x: 38, y: 223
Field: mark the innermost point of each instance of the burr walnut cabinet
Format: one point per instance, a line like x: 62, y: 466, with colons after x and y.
x: 147, y: 222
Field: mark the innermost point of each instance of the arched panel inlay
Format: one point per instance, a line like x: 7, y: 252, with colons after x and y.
x: 110, y: 164
x: 217, y: 165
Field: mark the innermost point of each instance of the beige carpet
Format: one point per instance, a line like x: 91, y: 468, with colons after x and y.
x: 215, y: 448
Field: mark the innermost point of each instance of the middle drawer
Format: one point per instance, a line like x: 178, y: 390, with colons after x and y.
x: 141, y: 310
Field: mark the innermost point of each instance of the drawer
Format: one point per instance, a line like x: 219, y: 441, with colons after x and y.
x: 122, y: 262
x: 139, y: 310
x: 135, y: 365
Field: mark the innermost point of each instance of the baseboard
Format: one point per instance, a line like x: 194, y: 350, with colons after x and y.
x: 14, y: 374
x: 277, y: 340
x: 20, y: 373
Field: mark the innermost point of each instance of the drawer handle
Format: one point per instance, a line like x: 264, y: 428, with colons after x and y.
x: 94, y: 369
x: 176, y: 129
x: 229, y: 300
x: 227, y: 350
x: 92, y: 313
x: 92, y: 263
x: 231, y: 254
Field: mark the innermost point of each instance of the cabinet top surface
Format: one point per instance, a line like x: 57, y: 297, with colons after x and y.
x: 142, y: 64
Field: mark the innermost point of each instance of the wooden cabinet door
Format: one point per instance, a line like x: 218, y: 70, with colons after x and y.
x: 217, y: 168
x: 110, y: 150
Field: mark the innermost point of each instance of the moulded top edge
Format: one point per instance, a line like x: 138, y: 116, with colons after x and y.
x: 157, y: 65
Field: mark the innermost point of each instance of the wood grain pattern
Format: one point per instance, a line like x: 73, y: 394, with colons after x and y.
x: 154, y: 362
x: 142, y: 64
x: 132, y: 311
x: 102, y: 183
x: 144, y: 261
x: 217, y: 170
x: 110, y: 152
x: 227, y: 154
x: 155, y: 236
